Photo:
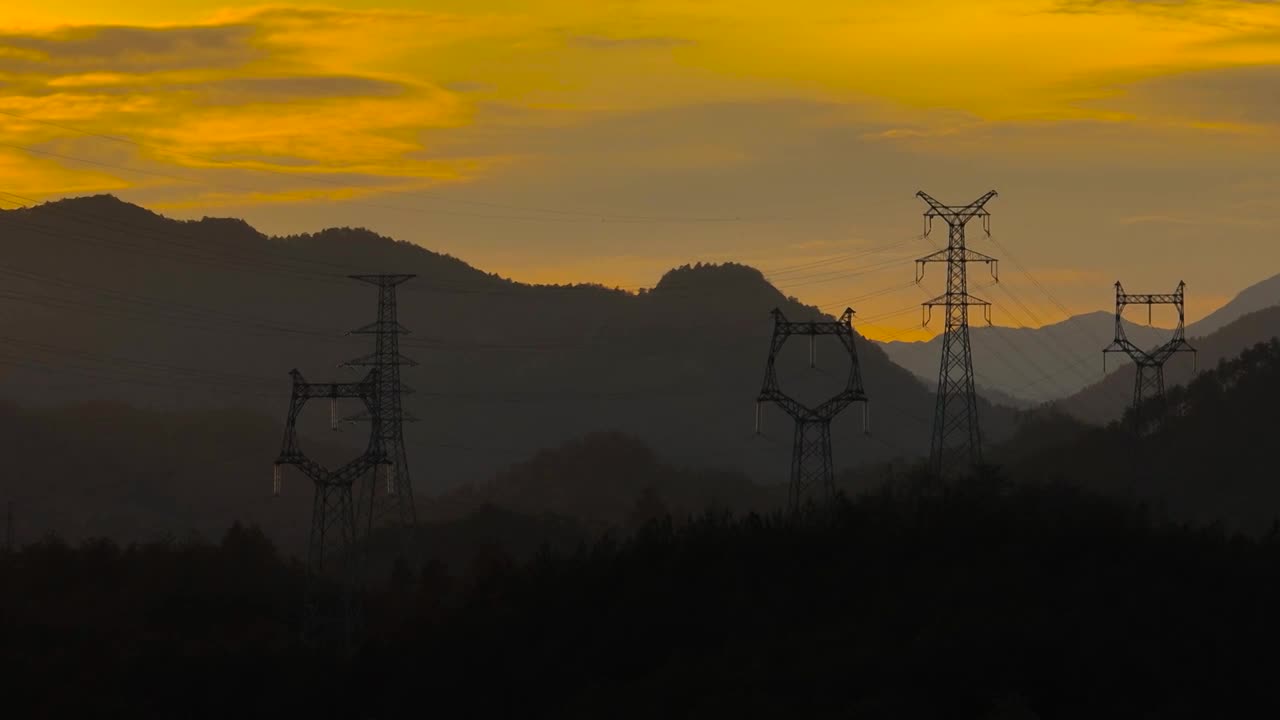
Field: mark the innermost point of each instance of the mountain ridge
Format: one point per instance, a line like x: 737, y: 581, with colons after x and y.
x: 1105, y: 401
x: 1056, y: 360
x: 108, y: 301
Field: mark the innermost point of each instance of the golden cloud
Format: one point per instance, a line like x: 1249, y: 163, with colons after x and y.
x: 242, y: 93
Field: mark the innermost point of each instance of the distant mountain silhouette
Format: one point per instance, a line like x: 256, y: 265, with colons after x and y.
x: 608, y: 480
x: 1252, y: 299
x: 1107, y: 399
x: 1026, y: 366
x: 106, y: 301
x: 997, y: 397
x: 1018, y: 367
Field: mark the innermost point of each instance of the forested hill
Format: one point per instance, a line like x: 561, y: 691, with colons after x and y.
x: 1212, y: 459
x: 1106, y: 399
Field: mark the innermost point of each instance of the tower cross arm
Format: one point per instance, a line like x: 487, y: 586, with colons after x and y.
x: 1171, y: 348
x: 383, y: 280
x: 796, y: 410
x: 1145, y: 299
x: 349, y: 473
x: 956, y: 299
x: 936, y: 256
x: 345, y: 475
x: 936, y: 209
x: 1176, y: 297
x: 960, y: 214
x: 376, y: 360
x: 309, y: 391
x: 365, y: 388
x: 951, y: 299
x: 977, y: 207
x: 842, y: 326
x: 376, y: 327
x: 964, y: 255
x: 1124, y: 345
x: 832, y: 407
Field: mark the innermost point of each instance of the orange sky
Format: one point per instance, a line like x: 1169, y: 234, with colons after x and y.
x: 607, y: 141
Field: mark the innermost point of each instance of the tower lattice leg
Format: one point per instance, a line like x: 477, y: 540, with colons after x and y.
x: 957, y: 437
x: 1148, y: 396
x: 329, y: 605
x: 388, y: 500
x: 812, y: 470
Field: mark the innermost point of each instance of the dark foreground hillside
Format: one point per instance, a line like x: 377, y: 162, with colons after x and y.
x: 987, y: 601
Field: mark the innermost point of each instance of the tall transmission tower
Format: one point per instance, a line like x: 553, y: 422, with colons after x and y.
x: 1148, y: 381
x: 811, y: 465
x: 393, y: 503
x: 956, y: 435
x: 330, y: 618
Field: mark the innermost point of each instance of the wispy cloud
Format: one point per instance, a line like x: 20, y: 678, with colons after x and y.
x: 1193, y: 221
x: 609, y: 42
x: 79, y: 50
x: 239, y: 93
x: 1084, y: 6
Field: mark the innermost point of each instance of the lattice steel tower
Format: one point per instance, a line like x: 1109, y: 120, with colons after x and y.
x: 1148, y: 380
x: 956, y: 434
x: 392, y: 500
x: 811, y: 465
x: 330, y: 618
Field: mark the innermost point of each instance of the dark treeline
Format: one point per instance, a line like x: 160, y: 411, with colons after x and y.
x: 986, y: 599
x: 1091, y: 578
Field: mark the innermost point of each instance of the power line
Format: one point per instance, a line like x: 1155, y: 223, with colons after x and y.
x: 835, y: 275
x: 866, y: 296
x: 833, y: 260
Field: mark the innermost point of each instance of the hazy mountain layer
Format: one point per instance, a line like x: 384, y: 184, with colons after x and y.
x: 1253, y: 298
x: 1033, y: 365
x: 1106, y: 400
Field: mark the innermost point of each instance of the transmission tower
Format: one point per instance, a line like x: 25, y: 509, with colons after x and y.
x: 394, y: 502
x: 956, y: 435
x: 333, y: 556
x: 1148, y: 381
x: 811, y: 466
